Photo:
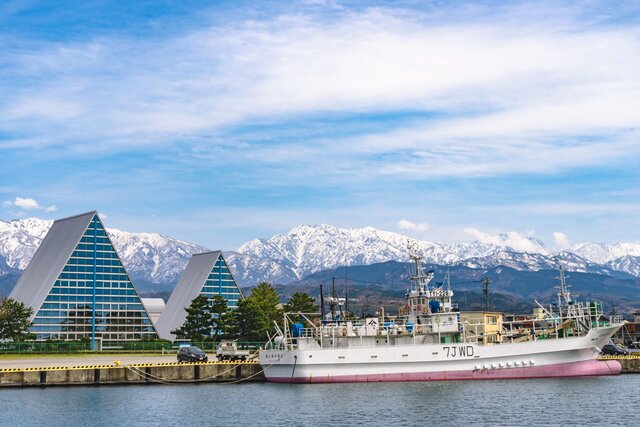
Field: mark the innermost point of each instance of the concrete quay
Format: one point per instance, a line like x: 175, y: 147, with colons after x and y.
x: 630, y: 364
x: 143, y: 373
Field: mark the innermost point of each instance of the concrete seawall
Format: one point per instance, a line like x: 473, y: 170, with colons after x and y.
x: 630, y: 364
x: 160, y: 373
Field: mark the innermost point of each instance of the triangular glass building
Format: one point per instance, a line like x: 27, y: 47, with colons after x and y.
x: 206, y: 274
x: 79, y: 289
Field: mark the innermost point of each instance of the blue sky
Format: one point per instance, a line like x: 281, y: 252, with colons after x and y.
x: 217, y: 122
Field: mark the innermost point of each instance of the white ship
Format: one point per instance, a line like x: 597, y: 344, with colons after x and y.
x: 432, y: 341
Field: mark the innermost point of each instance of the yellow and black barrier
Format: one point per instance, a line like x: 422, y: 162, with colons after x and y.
x: 634, y: 356
x: 117, y: 364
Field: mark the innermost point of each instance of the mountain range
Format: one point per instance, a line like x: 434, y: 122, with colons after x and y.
x: 309, y: 249
x: 155, y: 261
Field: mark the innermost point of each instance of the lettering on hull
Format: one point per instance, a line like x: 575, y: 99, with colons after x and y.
x: 452, y: 351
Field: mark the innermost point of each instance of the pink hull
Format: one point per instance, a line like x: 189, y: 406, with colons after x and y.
x: 574, y: 369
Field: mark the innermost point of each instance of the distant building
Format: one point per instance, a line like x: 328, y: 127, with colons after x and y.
x: 485, y: 326
x: 206, y: 274
x: 79, y: 289
x: 154, y: 307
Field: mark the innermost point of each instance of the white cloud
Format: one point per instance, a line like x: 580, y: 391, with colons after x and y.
x: 403, y: 224
x: 515, y: 92
x: 511, y: 239
x: 28, y: 204
x: 561, y: 240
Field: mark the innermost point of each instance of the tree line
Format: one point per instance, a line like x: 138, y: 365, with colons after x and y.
x: 209, y: 318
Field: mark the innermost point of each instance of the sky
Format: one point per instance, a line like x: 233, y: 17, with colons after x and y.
x: 218, y: 122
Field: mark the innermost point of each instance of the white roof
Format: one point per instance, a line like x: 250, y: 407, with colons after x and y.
x: 153, y: 305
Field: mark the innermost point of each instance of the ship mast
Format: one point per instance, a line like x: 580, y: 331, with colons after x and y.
x: 420, y: 280
x: 564, y: 295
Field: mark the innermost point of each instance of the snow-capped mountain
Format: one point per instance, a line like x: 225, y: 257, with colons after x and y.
x: 306, y: 249
x: 19, y: 240
x: 147, y: 256
x: 602, y: 253
x: 151, y: 256
x: 628, y: 264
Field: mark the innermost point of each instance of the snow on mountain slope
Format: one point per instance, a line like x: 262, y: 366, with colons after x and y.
x: 628, y: 263
x: 250, y: 270
x: 19, y: 240
x: 315, y: 248
x: 602, y: 253
x: 306, y: 249
x: 153, y: 257
x: 148, y: 256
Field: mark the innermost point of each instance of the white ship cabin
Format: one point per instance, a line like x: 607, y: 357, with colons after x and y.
x: 430, y: 311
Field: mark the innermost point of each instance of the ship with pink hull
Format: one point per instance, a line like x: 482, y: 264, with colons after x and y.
x: 432, y: 341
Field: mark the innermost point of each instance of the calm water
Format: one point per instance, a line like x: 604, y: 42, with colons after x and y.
x: 600, y: 401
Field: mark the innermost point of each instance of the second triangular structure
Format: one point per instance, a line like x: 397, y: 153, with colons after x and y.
x: 206, y: 274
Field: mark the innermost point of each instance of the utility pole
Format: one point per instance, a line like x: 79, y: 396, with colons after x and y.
x: 485, y: 293
x: 346, y: 292
x: 322, y: 319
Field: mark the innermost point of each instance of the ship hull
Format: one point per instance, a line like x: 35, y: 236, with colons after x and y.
x: 561, y: 370
x: 551, y: 358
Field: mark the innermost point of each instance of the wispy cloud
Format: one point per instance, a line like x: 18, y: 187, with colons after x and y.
x: 561, y: 240
x: 406, y: 225
x: 511, y: 239
x: 28, y: 204
x: 504, y: 93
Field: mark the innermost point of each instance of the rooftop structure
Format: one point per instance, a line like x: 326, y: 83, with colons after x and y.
x: 154, y: 307
x: 79, y: 289
x: 206, y: 274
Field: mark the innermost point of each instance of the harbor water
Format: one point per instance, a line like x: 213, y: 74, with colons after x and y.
x: 578, y: 401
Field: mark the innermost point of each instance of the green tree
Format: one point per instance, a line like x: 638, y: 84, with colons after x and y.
x: 300, y: 302
x: 256, y: 314
x: 205, y: 319
x: 14, y: 320
x: 218, y: 309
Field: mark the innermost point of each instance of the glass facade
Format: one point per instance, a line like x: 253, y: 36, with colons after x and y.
x: 93, y: 296
x: 221, y: 282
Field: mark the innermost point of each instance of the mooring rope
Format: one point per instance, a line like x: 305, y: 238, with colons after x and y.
x: 160, y: 380
x: 147, y: 375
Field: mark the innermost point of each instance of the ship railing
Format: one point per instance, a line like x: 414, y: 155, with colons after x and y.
x: 585, y: 316
x: 617, y: 318
x: 285, y: 337
x: 469, y: 331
